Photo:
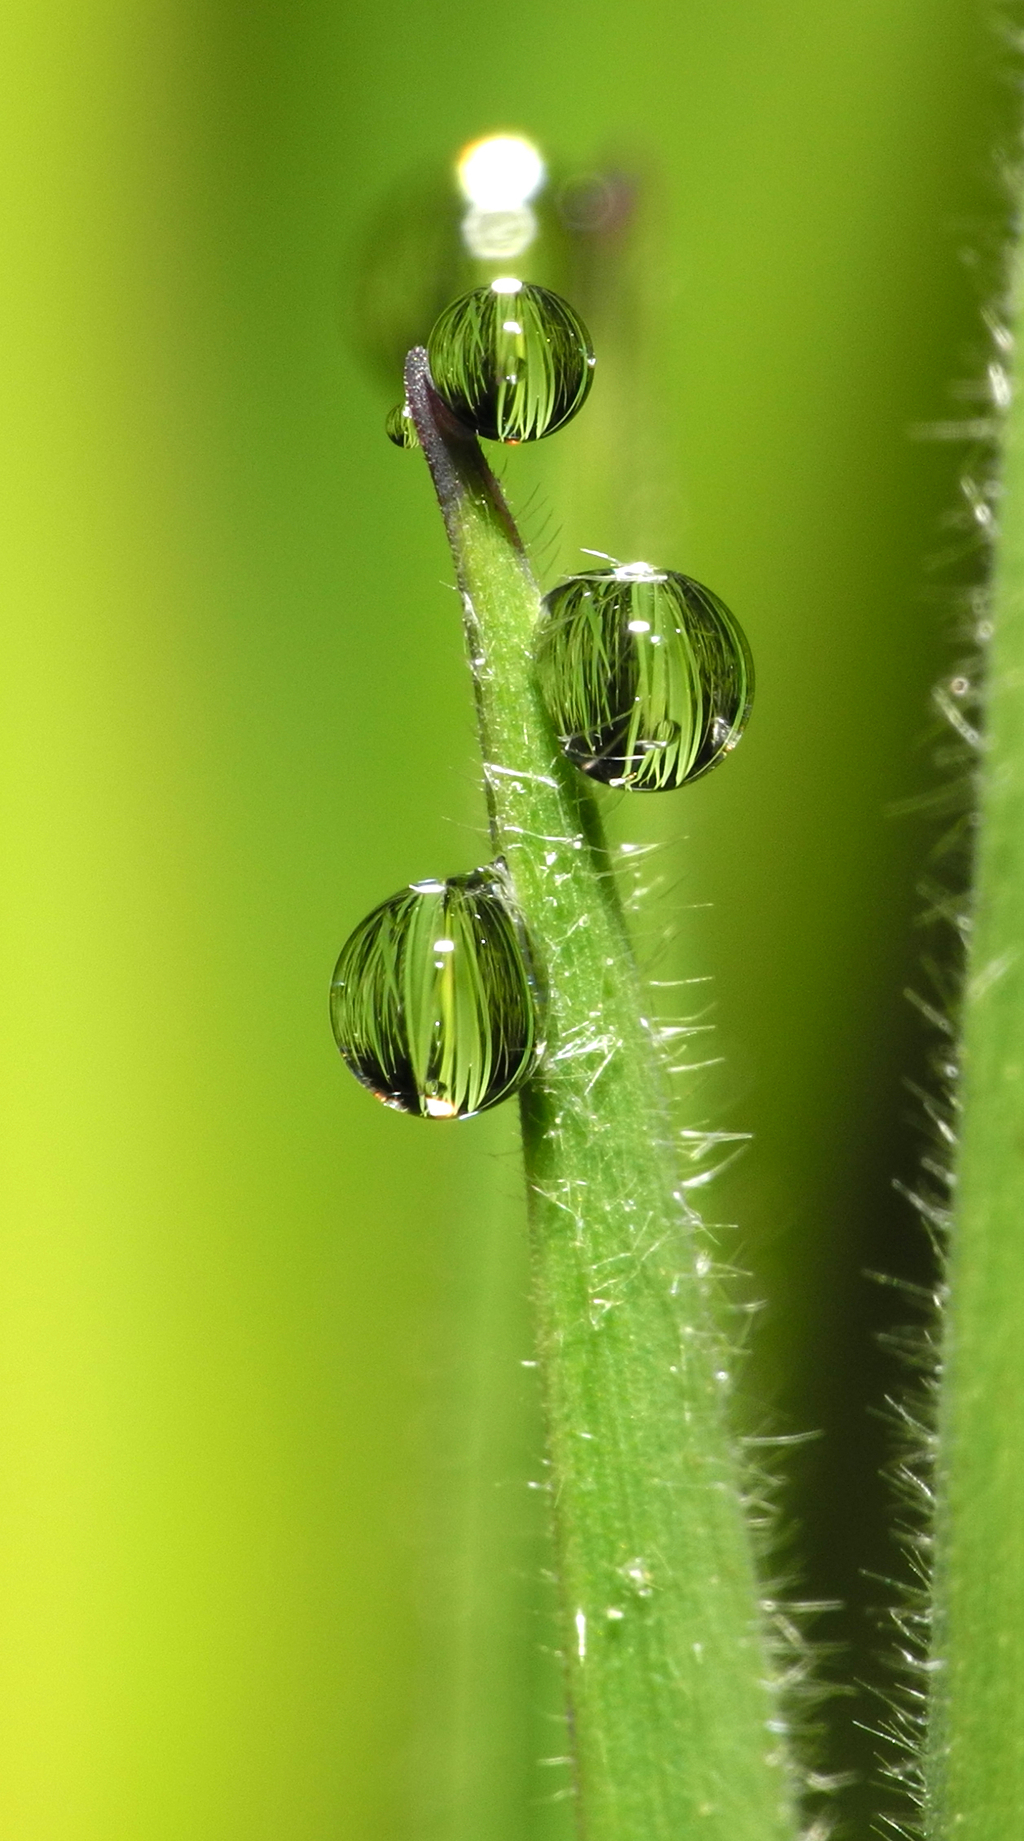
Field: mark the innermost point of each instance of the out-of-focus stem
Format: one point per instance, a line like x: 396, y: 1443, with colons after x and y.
x: 975, y: 1753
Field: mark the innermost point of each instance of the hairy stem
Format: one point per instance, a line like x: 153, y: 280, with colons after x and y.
x: 674, y: 1721
x: 975, y: 1757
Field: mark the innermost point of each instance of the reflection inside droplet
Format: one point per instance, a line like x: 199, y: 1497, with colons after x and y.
x: 511, y: 360
x: 636, y: 572
x: 439, y: 1108
x: 434, y: 1001
x: 646, y: 675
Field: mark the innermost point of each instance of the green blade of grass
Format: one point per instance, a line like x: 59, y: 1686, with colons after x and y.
x: 975, y: 1749
x: 675, y: 1722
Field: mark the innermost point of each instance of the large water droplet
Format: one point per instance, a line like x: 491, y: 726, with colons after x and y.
x: 434, y: 1000
x: 646, y: 675
x: 512, y: 361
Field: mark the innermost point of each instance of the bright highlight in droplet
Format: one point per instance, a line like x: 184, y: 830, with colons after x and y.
x: 506, y: 284
x: 500, y: 172
x: 635, y: 572
x: 439, y: 1108
x: 444, y: 945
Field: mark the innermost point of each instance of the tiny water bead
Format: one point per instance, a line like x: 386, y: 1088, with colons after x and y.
x: 434, y: 1000
x: 646, y: 675
x: 512, y: 361
x: 400, y: 427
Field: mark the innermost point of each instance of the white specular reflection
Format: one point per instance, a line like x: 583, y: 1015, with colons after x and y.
x: 439, y: 1108
x: 498, y: 176
x: 500, y: 172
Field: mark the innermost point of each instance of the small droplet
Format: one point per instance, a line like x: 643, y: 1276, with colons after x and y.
x: 512, y: 361
x: 646, y: 675
x: 434, y: 1001
x: 401, y: 429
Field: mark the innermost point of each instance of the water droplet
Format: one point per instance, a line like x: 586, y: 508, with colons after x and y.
x: 513, y: 361
x: 401, y: 429
x: 646, y: 675
x: 434, y: 1001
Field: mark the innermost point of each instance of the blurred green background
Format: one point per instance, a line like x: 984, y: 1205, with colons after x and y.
x: 270, y: 1567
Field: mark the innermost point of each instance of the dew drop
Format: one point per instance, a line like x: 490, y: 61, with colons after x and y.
x: 646, y: 675
x: 513, y: 361
x: 435, y: 1003
x: 401, y: 429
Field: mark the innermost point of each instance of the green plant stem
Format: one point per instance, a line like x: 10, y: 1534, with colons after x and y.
x: 975, y: 1756
x: 675, y: 1725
